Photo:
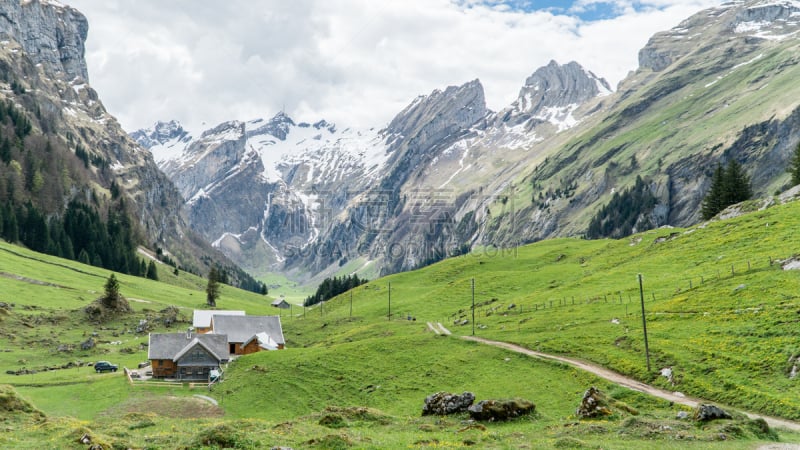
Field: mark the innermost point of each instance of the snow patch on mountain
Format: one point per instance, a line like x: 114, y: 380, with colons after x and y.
x: 770, y: 20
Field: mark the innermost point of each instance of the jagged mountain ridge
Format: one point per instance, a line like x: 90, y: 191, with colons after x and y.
x: 454, y: 175
x: 317, y: 181
x: 715, y: 87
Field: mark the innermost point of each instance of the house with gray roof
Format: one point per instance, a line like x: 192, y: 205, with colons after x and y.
x: 187, y: 356
x: 281, y: 303
x: 201, y: 319
x: 249, y: 334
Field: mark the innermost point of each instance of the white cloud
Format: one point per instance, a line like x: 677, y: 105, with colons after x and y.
x: 354, y: 62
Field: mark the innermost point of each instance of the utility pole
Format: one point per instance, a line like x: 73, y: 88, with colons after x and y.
x: 351, y: 303
x: 644, y: 324
x: 390, y: 300
x: 473, y: 306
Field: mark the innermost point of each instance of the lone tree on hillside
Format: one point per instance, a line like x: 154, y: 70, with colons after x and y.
x: 729, y: 185
x: 111, y: 297
x: 794, y: 167
x: 212, y: 289
x: 152, y: 271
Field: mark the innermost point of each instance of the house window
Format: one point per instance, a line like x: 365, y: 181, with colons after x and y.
x: 197, y: 355
x: 232, y: 348
x: 160, y: 362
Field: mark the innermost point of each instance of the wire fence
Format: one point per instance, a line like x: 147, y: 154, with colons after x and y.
x: 495, y: 306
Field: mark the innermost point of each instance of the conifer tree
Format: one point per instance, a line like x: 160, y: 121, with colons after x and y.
x: 212, y: 288
x: 83, y: 257
x: 152, y: 272
x: 794, y: 167
x: 111, y: 296
x: 737, y: 184
x: 729, y: 185
x: 5, y: 150
x: 712, y: 203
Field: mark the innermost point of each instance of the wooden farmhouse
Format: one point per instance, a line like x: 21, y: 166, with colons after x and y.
x: 249, y: 334
x: 201, y: 319
x: 187, y: 356
x: 281, y: 303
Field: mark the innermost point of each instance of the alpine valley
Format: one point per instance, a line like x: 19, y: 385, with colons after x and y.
x: 569, y: 319
x: 447, y: 175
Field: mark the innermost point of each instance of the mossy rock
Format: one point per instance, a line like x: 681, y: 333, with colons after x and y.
x: 222, y: 436
x: 12, y: 404
x: 332, y: 421
x: 497, y: 410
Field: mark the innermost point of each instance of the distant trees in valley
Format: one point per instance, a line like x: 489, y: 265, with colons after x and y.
x: 331, y: 287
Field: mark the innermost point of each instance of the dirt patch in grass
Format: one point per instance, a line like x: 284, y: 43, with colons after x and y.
x: 166, y: 406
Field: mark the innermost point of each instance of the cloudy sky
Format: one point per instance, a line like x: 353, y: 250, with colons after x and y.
x: 353, y: 62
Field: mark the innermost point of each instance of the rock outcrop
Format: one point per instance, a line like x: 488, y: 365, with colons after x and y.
x: 51, y: 34
x: 553, y: 93
x: 161, y: 133
x: 704, y: 413
x: 499, y: 410
x: 445, y: 403
x: 594, y: 404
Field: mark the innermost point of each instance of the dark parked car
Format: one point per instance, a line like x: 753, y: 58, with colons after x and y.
x: 105, y: 366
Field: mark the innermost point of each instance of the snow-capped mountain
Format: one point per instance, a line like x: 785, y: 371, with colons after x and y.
x: 447, y: 175
x: 270, y: 189
x: 254, y: 187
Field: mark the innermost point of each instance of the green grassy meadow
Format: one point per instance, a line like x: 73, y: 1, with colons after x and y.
x: 358, y: 379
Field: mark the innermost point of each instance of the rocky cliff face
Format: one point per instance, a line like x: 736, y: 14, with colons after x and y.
x: 50, y: 34
x: 553, y: 93
x: 259, y: 189
x: 161, y: 134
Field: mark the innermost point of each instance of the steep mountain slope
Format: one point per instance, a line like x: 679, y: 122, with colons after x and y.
x: 446, y: 174
x: 74, y: 149
x: 260, y: 187
x: 717, y: 86
x: 276, y: 195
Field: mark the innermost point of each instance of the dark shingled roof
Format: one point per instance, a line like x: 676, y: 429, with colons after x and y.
x: 169, y: 345
x: 202, y: 317
x: 241, y: 328
x: 281, y: 303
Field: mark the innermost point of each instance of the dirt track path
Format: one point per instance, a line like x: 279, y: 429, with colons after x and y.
x: 629, y: 383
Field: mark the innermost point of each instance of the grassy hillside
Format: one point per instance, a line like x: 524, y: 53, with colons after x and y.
x: 719, y: 313
x: 43, y: 322
x: 733, y: 97
x: 360, y: 381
